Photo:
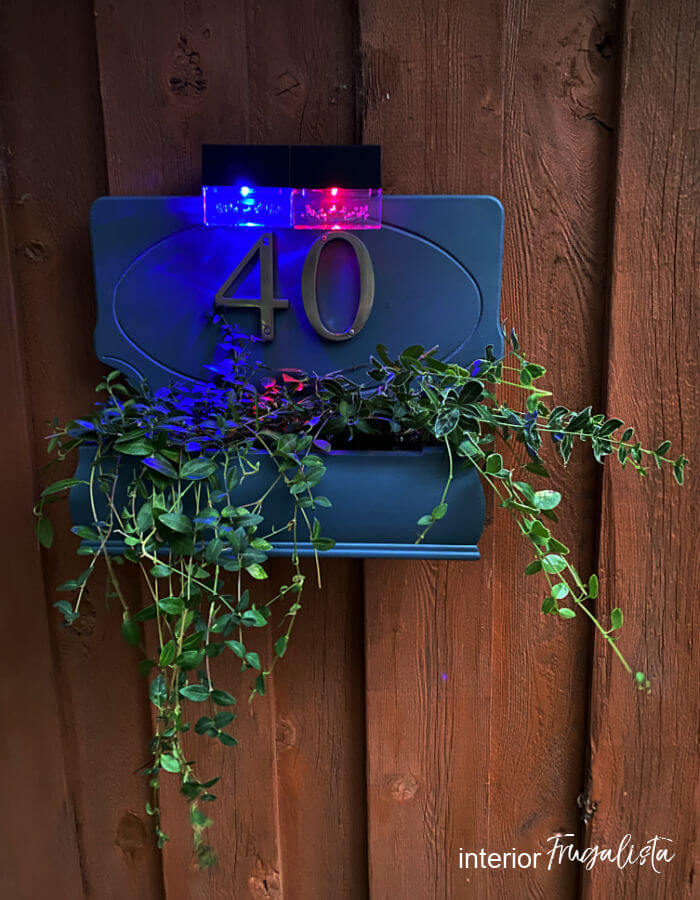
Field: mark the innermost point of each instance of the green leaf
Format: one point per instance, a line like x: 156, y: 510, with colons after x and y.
x: 160, y: 465
x: 158, y: 692
x: 254, y: 617
x: 59, y: 486
x: 260, y: 684
x: 616, y: 618
x: 323, y: 544
x: 195, y: 692
x: 446, y: 422
x: 237, y: 647
x: 439, y: 511
x: 174, y: 606
x: 494, y: 463
x: 160, y: 570
x: 144, y: 517
x: 190, y: 659
x: 169, y: 763
x: 167, y: 654
x: 69, y: 614
x: 176, y: 522
x: 610, y: 426
x: 139, y: 447
x: 44, y: 532
x: 131, y: 632
x: 85, y: 533
x: 533, y: 567
x: 206, y: 726
x: 213, y: 550
x: 222, y: 719
x: 261, y: 544
x: 553, y: 563
x: 227, y: 740
x: 257, y: 571
x: 535, y: 371
x: 145, y: 666
x: 549, y: 606
x: 196, y: 469
x: 222, y: 698
x: 547, y: 499
x: 253, y: 660
x: 678, y: 467
x: 281, y: 645
x: 567, y: 613
x: 560, y: 590
x: 593, y: 586
x: 535, y: 466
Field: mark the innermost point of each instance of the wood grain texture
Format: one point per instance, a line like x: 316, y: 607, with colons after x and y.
x: 173, y: 75
x: 55, y: 160
x: 432, y: 96
x: 266, y: 73
x: 29, y: 704
x: 428, y: 647
x: 301, y: 71
x: 193, y: 82
x: 442, y: 713
x: 319, y: 691
x: 644, y: 749
x: 559, y: 69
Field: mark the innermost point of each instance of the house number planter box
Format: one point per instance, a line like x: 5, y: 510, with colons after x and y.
x: 318, y: 302
x: 377, y: 498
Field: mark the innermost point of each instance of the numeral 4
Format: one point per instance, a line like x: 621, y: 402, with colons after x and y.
x: 267, y: 303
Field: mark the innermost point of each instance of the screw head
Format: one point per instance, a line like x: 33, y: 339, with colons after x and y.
x: 352, y: 331
x: 267, y: 329
x: 324, y: 238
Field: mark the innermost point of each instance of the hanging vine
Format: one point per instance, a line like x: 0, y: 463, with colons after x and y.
x: 164, y: 489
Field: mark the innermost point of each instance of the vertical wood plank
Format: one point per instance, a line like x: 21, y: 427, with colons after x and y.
x: 29, y: 703
x: 644, y: 751
x: 319, y: 689
x: 432, y: 96
x: 301, y: 71
x: 559, y: 66
x: 172, y: 76
x: 256, y: 73
x: 55, y: 152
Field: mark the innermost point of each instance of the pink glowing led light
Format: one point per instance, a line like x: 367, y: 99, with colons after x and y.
x: 336, y: 208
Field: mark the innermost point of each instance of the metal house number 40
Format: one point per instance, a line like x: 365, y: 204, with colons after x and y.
x: 267, y: 303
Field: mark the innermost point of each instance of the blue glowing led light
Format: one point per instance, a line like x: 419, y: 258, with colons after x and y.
x: 256, y: 207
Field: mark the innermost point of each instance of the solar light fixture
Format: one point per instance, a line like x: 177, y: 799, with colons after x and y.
x: 321, y: 188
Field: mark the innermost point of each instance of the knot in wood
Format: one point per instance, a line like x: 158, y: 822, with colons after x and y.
x: 286, y: 734
x: 35, y: 252
x: 265, y: 883
x: 188, y: 78
x: 403, y: 787
x: 131, y: 833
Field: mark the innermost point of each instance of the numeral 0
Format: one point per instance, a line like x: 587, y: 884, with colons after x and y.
x: 267, y: 303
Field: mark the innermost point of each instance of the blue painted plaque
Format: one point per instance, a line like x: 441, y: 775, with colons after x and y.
x: 433, y: 271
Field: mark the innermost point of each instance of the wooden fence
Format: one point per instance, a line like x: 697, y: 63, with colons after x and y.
x: 365, y: 772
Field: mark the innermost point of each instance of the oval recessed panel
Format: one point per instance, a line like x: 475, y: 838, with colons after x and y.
x: 163, y: 301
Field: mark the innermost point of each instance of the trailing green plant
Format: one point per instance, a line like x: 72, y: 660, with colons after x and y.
x: 164, y: 491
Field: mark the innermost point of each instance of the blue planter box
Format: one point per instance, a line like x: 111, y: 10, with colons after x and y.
x: 377, y: 499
